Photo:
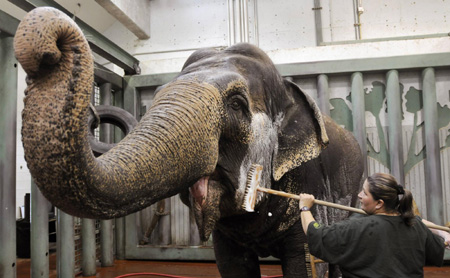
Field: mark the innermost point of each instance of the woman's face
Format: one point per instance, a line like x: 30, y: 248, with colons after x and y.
x: 368, y: 204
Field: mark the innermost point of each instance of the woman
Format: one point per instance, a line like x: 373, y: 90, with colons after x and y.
x: 389, y: 242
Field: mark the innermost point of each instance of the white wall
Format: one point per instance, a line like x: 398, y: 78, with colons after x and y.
x: 286, y: 30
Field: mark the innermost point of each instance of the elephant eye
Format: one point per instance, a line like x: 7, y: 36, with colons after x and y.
x: 236, y: 102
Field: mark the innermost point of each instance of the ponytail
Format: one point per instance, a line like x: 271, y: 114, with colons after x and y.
x: 405, y: 207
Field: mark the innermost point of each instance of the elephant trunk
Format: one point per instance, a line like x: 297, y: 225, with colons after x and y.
x: 174, y: 144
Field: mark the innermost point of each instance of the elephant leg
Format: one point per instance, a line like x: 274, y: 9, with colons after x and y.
x: 234, y: 260
x: 291, y: 250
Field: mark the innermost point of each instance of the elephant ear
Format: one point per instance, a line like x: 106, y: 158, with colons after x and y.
x: 302, y: 134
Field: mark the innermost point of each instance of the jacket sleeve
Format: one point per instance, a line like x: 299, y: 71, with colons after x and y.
x: 327, y: 242
x: 435, y: 249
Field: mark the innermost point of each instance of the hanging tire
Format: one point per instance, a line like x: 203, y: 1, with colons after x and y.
x: 109, y: 114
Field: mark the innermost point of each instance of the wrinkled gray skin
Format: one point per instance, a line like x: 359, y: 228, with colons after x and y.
x: 225, y: 111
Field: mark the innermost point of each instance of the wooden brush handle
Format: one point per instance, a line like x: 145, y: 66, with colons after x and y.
x: 318, y: 202
x: 333, y: 205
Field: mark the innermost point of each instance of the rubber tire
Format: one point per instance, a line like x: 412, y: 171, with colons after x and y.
x: 109, y: 115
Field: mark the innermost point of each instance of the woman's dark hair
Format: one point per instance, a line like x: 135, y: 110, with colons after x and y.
x: 396, y: 198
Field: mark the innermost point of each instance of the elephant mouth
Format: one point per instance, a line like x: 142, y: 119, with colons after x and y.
x: 206, y: 200
x: 199, y: 191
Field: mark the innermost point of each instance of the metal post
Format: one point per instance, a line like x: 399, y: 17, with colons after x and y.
x: 394, y: 105
x: 433, y: 190
x: 39, y: 233
x: 8, y: 121
x: 106, y: 226
x: 119, y: 222
x: 88, y: 247
x: 323, y: 94
x: 65, y: 245
x: 359, y: 115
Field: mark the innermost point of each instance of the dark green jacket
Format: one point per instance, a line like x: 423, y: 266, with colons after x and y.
x: 376, y: 246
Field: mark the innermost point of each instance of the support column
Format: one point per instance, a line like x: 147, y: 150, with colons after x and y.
x: 359, y: 115
x: 119, y: 222
x: 8, y: 121
x: 394, y: 105
x: 106, y: 226
x: 434, y: 194
x: 88, y: 247
x: 323, y: 94
x: 39, y: 234
x: 65, y: 262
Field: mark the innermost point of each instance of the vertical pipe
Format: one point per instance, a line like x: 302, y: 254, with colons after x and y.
x: 39, y: 234
x: 8, y: 121
x: 65, y: 245
x: 323, y: 94
x: 394, y: 105
x: 231, y: 34
x: 359, y: 114
x: 119, y: 222
x: 238, y: 21
x: 318, y: 21
x: 433, y: 163
x: 106, y: 227
x: 255, y: 15
x: 357, y: 16
x: 88, y: 247
x: 245, y: 20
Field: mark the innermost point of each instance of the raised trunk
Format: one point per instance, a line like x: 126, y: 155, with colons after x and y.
x: 169, y: 150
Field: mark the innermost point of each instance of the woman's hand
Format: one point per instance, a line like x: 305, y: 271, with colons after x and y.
x: 306, y: 200
x: 446, y: 237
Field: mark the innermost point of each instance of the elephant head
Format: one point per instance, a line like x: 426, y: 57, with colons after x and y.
x: 225, y: 111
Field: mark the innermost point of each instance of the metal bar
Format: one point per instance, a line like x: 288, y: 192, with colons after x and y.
x: 318, y: 21
x: 8, y: 24
x: 394, y: 105
x: 106, y: 135
x: 8, y: 120
x: 88, y: 247
x: 119, y: 231
x: 98, y: 43
x: 149, y: 80
x: 65, y: 259
x: 435, y: 60
x: 434, y: 192
x: 400, y: 38
x: 39, y: 234
x: 131, y: 101
x: 323, y: 94
x: 104, y: 75
x: 359, y: 115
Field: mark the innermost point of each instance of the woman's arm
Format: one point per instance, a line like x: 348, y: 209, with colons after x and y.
x: 306, y: 201
x: 445, y: 235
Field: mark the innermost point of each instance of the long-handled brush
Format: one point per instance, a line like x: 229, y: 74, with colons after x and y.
x: 252, y: 187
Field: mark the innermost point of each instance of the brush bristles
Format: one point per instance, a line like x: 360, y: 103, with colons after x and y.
x: 251, y: 187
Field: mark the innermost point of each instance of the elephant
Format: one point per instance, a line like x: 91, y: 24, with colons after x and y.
x: 225, y: 111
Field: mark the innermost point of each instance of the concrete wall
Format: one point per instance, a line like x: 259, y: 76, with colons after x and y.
x: 287, y: 30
